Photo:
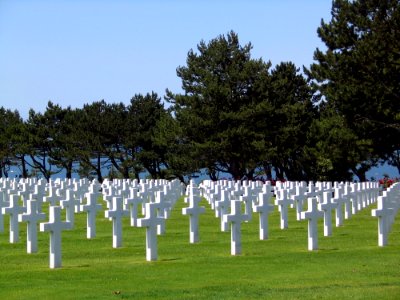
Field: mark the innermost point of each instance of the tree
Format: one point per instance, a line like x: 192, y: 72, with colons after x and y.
x: 115, y: 135
x: 11, y: 141
x: 62, y: 124
x: 333, y: 149
x: 90, y: 131
x: 177, y: 151
x: 144, y: 112
x: 287, y: 121
x: 222, y: 85
x: 43, y: 131
x: 358, y: 73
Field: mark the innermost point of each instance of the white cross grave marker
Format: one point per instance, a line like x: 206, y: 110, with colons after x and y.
x: 132, y: 204
x: 55, y: 226
x: 194, y: 210
x: 162, y: 208
x: 25, y: 192
x: 327, y: 206
x: 52, y: 198
x: 13, y: 210
x: 3, y: 203
x: 69, y: 205
x: 312, y: 214
x: 263, y: 208
x: 236, y: 217
x: 383, y: 213
x: 151, y: 221
x: 299, y: 198
x: 247, y: 199
x: 32, y: 217
x: 283, y: 201
x: 221, y: 208
x: 347, y: 194
x: 339, y: 199
x: 116, y: 214
x: 354, y: 195
x: 91, y: 208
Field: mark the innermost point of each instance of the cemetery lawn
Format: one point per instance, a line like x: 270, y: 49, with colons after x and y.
x: 348, y: 265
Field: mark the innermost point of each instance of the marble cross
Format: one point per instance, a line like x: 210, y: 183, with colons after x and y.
x: 13, y: 210
x: 299, y: 197
x: 69, y: 204
x: 312, y: 214
x: 339, y: 199
x: 247, y: 199
x: 327, y: 206
x: 264, y: 208
x: 55, y: 226
x: 283, y: 201
x: 347, y: 194
x: 221, y: 208
x: 32, y: 217
x: 52, y: 198
x: 132, y: 204
x: 151, y: 221
x: 116, y: 214
x: 193, y: 211
x: 383, y: 212
x: 3, y: 203
x: 91, y: 208
x: 235, y: 218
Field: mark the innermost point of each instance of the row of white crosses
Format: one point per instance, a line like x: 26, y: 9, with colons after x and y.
x: 158, y: 197
x: 322, y: 198
x: 234, y: 203
x: 193, y: 211
x: 34, y: 194
x: 386, y: 211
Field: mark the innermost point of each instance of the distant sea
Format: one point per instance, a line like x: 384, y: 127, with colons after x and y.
x: 374, y: 174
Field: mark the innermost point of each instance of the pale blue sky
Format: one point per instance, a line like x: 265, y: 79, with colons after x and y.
x: 75, y: 52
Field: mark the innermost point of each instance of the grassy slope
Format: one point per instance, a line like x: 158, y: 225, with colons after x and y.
x: 348, y: 265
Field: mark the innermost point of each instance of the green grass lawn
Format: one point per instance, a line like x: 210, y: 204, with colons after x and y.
x: 348, y: 265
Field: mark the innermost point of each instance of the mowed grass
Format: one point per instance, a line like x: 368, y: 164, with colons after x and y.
x: 348, y: 265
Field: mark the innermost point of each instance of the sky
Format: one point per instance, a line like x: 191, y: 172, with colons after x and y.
x: 75, y: 52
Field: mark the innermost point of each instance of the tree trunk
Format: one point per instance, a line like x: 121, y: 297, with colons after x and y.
x: 69, y: 170
x: 279, y: 173
x: 250, y: 175
x: 234, y: 170
x: 360, y: 172
x: 23, y: 164
x: 137, y: 175
x: 98, y: 169
x: 212, y: 174
x: 267, y: 171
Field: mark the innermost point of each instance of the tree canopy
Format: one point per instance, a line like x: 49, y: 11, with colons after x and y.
x: 359, y: 72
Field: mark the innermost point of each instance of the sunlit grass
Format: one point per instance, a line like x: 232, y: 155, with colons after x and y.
x: 348, y: 265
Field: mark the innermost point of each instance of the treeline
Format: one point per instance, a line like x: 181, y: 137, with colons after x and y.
x: 237, y: 114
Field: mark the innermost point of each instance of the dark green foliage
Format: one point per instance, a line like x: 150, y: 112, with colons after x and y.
x: 287, y: 121
x: 359, y: 72
x: 11, y: 140
x: 222, y: 87
x: 144, y: 114
x: 44, y: 138
x: 334, y: 149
